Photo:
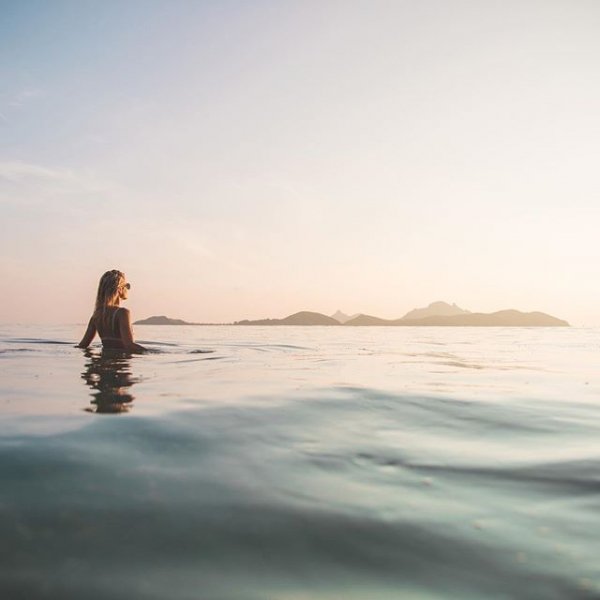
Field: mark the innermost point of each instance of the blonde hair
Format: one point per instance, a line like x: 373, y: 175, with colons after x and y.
x: 108, y: 293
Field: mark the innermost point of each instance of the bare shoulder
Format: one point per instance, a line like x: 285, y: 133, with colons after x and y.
x: 124, y: 313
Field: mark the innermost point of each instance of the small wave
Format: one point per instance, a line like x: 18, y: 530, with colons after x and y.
x: 37, y: 341
x: 290, y: 346
x: 463, y: 365
x: 191, y: 360
x: 268, y: 347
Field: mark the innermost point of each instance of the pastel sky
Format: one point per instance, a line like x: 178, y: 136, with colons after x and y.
x: 255, y: 158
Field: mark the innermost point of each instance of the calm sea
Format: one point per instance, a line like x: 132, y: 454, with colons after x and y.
x: 292, y: 463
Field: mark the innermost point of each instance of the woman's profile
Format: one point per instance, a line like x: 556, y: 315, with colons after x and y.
x: 109, y: 320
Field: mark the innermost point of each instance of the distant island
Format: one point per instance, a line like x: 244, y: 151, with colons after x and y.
x: 342, y: 317
x: 435, y: 309
x: 300, y: 318
x: 437, y: 314
x: 502, y: 318
x: 162, y: 320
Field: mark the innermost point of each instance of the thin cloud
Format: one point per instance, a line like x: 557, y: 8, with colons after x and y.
x: 15, y: 101
x: 22, y: 97
x: 18, y: 172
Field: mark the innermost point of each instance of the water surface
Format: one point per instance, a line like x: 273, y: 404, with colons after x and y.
x: 297, y: 463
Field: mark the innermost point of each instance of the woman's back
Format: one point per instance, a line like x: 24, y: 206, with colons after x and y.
x: 108, y: 327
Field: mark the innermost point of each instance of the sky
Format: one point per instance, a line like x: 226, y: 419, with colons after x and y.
x: 253, y: 159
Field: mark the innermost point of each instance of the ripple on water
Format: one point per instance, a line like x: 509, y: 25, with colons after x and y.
x: 321, y: 492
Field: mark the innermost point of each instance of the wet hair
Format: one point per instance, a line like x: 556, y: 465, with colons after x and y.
x: 108, y: 292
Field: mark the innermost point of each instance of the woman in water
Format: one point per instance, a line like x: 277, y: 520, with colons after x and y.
x: 111, y: 321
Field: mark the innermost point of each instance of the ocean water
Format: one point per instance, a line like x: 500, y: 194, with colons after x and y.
x: 301, y: 463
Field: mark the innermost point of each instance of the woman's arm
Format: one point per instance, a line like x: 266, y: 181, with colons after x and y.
x: 89, y: 334
x: 127, y: 333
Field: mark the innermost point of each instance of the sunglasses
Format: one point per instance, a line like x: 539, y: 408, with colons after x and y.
x: 127, y: 286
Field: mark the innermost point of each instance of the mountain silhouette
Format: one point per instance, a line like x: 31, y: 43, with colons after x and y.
x: 502, y: 318
x: 342, y: 317
x: 300, y: 318
x: 161, y: 320
x: 368, y: 320
x: 458, y: 317
x: 436, y: 309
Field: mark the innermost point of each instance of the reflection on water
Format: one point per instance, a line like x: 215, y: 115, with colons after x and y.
x: 108, y: 374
